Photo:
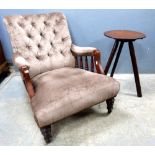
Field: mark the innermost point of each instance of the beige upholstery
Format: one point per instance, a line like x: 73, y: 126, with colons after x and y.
x: 63, y: 92
x: 20, y: 61
x: 43, y: 43
x: 82, y: 50
x: 42, y: 40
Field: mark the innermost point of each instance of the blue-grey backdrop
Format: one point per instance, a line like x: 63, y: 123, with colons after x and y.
x: 87, y: 28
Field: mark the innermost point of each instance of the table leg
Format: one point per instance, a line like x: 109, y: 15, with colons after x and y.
x: 114, y: 49
x: 135, y: 69
x: 117, y: 58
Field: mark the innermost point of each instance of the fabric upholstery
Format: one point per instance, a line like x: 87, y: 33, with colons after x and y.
x: 66, y: 91
x: 43, y: 40
x: 20, y: 61
x: 43, y: 43
x: 82, y: 50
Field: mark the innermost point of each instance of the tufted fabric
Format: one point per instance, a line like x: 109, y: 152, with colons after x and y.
x: 43, y: 40
x: 43, y: 43
x: 68, y: 91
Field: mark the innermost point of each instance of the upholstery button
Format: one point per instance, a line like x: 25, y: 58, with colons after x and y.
x: 28, y: 47
x: 26, y: 17
x: 62, y: 52
x: 62, y: 39
x: 39, y: 46
x: 10, y: 24
x: 33, y: 24
x: 46, y: 23
x: 51, y: 43
x: 29, y: 35
x: 57, y: 21
x: 42, y: 34
x: 54, y: 31
x: 40, y: 57
x: 49, y: 54
x: 37, y: 57
x: 21, y: 25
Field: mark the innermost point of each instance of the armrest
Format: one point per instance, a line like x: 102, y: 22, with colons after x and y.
x: 97, y: 61
x: 23, y: 66
x: 82, y: 51
x: 27, y: 80
x: 89, y: 51
x: 20, y: 61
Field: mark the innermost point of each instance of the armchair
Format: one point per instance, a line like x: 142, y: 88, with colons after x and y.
x: 53, y: 69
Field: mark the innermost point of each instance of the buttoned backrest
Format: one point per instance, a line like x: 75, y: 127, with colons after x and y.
x: 43, y: 40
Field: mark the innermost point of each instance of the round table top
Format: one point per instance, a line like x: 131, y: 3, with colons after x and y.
x: 124, y: 35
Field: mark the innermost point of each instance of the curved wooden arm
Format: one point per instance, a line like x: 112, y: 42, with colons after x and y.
x: 88, y: 51
x: 97, y: 61
x: 27, y: 80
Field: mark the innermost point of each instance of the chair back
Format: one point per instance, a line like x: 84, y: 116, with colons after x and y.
x: 43, y: 40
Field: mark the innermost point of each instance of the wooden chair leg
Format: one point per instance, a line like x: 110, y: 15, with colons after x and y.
x: 110, y: 103
x: 46, y: 131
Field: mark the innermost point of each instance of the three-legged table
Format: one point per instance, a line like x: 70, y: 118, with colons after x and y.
x: 122, y: 36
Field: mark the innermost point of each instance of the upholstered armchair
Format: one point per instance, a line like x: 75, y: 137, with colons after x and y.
x: 53, y: 69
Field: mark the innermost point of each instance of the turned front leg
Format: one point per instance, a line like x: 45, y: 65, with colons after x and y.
x: 110, y: 103
x: 46, y: 131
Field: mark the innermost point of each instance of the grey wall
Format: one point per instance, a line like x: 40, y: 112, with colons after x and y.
x: 87, y: 27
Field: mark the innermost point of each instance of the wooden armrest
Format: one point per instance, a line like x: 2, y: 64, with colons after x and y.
x: 27, y: 80
x: 97, y: 61
x: 88, y: 51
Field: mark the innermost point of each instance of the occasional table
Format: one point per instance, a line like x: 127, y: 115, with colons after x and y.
x: 122, y: 36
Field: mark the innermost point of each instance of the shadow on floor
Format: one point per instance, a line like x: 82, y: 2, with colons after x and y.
x: 87, y: 118
x: 3, y: 76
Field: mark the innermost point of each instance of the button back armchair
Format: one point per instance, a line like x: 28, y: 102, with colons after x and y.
x: 53, y: 69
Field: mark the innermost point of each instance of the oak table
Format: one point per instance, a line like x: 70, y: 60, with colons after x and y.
x: 122, y: 36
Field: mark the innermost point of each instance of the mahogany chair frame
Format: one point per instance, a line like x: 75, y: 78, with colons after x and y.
x: 95, y: 63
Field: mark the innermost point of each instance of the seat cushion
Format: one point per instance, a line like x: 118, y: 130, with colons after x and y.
x: 66, y: 91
